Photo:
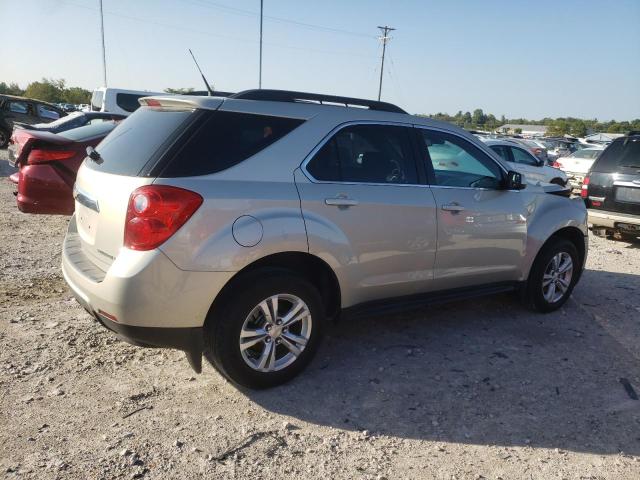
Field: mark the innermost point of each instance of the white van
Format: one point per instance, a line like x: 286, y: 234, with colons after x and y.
x: 117, y: 100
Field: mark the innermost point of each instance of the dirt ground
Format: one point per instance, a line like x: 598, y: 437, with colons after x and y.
x: 480, y: 389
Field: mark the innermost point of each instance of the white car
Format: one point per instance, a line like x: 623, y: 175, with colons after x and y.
x: 117, y: 100
x: 521, y: 160
x: 578, y: 164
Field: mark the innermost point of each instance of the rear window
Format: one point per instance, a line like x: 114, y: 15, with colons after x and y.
x: 622, y: 154
x: 138, y: 139
x: 224, y: 139
x: 87, y: 132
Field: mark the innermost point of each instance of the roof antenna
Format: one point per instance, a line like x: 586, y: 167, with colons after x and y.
x: 209, y: 89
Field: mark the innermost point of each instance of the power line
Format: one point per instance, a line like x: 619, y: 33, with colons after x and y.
x: 385, y: 38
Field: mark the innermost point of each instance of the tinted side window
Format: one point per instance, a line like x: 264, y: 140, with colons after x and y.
x: 623, y: 153
x: 48, y: 113
x: 18, y: 107
x: 458, y: 163
x: 502, y: 151
x: 366, y: 154
x: 128, y: 101
x: 224, y: 139
x: 520, y: 156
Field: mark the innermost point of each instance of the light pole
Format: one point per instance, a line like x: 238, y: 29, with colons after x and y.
x: 260, y: 74
x: 385, y: 38
x: 104, y: 57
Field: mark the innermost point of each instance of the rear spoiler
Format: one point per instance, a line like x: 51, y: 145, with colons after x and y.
x: 179, y: 101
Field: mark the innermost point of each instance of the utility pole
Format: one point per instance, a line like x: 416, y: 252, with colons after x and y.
x: 260, y: 74
x: 104, y: 58
x: 385, y: 38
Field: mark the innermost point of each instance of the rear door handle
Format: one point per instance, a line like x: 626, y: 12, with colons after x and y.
x: 452, y: 207
x: 341, y: 202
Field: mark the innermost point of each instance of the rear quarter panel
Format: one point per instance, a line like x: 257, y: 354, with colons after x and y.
x: 266, y: 212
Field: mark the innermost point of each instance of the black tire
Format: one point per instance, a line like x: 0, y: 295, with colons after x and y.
x: 225, y: 322
x: 532, y: 293
x: 4, y: 138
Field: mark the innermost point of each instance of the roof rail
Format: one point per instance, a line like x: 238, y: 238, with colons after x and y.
x: 303, y: 97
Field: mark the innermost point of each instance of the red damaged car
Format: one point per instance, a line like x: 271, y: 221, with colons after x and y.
x: 48, y: 164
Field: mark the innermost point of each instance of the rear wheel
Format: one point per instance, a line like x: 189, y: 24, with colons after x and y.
x: 553, y: 276
x: 267, y: 329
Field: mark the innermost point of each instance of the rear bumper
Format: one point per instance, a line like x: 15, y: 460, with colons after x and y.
x: 140, y: 289
x: 622, y: 221
x: 42, y: 190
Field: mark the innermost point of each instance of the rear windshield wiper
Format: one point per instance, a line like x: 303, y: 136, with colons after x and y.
x: 93, y: 154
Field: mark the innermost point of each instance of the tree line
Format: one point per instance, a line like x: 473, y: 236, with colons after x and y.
x: 48, y: 90
x: 478, y: 120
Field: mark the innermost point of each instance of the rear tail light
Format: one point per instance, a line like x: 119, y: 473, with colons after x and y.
x: 155, y: 213
x: 38, y: 155
x: 557, y: 164
x: 584, y: 191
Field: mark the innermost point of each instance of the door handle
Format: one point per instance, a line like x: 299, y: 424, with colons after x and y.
x: 341, y: 202
x: 452, y: 207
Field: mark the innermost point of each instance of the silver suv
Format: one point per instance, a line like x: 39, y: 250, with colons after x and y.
x: 238, y: 227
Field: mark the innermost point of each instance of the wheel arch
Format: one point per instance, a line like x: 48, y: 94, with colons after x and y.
x: 572, y: 234
x: 311, y: 267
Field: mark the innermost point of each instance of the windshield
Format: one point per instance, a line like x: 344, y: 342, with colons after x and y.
x: 63, y: 120
x: 586, y: 153
x: 81, y: 134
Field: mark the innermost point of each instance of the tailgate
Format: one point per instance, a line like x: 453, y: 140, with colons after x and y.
x: 101, y: 208
x: 615, y: 193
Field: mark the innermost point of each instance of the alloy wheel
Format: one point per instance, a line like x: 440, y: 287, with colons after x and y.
x: 557, y: 277
x: 275, y: 333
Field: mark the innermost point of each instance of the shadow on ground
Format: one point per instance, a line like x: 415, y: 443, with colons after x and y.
x: 481, y: 372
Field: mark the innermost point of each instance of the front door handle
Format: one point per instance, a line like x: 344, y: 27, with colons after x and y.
x: 341, y: 202
x: 452, y: 207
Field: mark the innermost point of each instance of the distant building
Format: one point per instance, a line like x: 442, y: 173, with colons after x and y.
x: 528, y: 130
x: 603, y: 137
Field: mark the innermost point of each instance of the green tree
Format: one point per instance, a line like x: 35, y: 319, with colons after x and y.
x: 579, y: 129
x: 48, y: 90
x: 77, y: 95
x: 478, y: 117
x: 517, y: 131
x: 179, y: 91
x: 11, y: 89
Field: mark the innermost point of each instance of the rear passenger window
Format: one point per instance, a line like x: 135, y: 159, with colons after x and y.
x: 225, y: 139
x: 366, y: 154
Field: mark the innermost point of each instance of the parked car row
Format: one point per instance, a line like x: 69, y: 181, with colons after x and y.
x: 15, y: 111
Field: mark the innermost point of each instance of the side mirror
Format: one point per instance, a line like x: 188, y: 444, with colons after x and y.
x: 514, y: 181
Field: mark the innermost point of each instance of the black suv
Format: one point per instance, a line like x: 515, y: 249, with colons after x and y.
x: 612, y: 188
x: 24, y: 110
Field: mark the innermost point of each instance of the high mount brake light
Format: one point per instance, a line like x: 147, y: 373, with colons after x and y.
x: 155, y: 213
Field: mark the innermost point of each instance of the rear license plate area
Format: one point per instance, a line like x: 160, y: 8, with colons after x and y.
x: 628, y: 194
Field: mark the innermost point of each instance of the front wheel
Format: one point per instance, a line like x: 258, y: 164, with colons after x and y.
x: 267, y: 330
x: 553, y: 276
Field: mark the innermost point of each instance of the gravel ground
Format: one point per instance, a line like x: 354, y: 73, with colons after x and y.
x: 481, y: 389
